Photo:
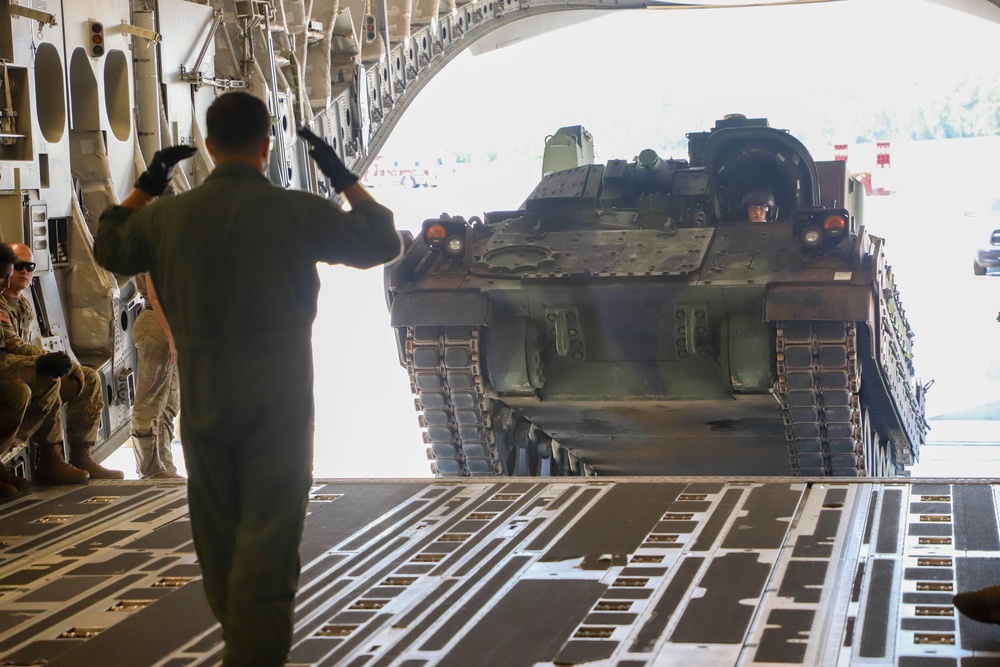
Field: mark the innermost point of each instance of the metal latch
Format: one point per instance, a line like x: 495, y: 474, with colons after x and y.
x: 143, y: 33
x: 43, y: 18
x: 564, y: 327
x: 126, y: 387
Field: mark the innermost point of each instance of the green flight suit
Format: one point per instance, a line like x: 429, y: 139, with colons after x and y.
x: 234, y: 263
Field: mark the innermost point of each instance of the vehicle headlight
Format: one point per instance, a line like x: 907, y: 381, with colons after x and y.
x: 821, y: 228
x: 447, y: 236
x: 811, y: 237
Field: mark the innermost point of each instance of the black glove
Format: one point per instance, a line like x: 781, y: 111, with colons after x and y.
x: 54, y: 364
x: 328, y: 161
x: 154, y: 180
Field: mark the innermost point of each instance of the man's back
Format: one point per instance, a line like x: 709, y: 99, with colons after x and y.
x: 234, y: 259
x: 233, y: 263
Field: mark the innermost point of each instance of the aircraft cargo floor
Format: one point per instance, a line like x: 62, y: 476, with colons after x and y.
x: 621, y: 572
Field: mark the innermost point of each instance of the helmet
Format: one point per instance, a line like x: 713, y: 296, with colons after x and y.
x: 757, y: 198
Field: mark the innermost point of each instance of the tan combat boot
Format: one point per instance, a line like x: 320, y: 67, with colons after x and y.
x: 79, y: 456
x: 53, y: 469
x: 8, y: 477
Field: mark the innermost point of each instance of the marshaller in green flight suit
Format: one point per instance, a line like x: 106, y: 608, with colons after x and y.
x: 234, y: 264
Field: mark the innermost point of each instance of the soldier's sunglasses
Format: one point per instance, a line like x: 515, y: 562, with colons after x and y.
x: 24, y: 266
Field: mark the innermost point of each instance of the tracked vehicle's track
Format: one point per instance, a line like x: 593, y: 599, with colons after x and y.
x: 818, y: 385
x: 443, y: 363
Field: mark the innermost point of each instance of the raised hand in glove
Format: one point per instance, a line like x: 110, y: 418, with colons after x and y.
x: 54, y: 364
x: 154, y: 180
x: 328, y: 161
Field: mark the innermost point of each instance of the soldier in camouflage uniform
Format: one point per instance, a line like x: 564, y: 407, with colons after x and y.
x: 80, y: 391
x: 156, y: 390
x: 29, y: 390
x: 15, y: 394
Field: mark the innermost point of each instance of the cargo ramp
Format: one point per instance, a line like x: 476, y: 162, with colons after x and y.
x: 621, y: 572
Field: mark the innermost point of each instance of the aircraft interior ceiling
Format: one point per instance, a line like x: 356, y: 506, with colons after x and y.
x: 350, y: 68
x: 362, y: 62
x: 376, y: 73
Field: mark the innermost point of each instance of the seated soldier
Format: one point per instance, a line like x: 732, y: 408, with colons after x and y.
x: 23, y: 379
x: 80, y: 390
x: 759, y: 205
x: 15, y: 394
x: 29, y: 409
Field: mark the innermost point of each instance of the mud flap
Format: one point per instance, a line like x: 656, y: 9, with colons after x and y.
x: 750, y: 353
x: 438, y: 309
x: 513, y: 349
x: 851, y: 303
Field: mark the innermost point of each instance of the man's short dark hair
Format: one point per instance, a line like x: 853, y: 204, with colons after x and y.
x: 237, y: 122
x: 7, y: 255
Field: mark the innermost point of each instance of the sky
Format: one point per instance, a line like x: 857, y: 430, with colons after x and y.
x: 618, y: 74
x: 640, y: 79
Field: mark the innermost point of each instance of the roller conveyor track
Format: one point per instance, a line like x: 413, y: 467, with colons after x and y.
x: 493, y: 573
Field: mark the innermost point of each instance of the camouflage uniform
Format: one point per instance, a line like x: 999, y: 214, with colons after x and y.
x: 156, y: 395
x: 80, y: 391
x: 16, y: 377
x: 17, y: 371
x: 17, y: 374
x: 234, y: 264
x: 15, y: 397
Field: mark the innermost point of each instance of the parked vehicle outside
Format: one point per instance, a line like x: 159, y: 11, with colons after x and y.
x: 987, y: 260
x: 408, y: 173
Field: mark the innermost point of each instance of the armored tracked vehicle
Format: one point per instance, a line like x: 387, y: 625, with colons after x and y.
x: 628, y: 319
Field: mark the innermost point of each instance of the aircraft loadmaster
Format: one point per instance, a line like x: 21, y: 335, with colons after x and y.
x: 693, y: 570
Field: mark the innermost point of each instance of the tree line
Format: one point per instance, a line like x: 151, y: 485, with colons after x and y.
x: 969, y: 109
